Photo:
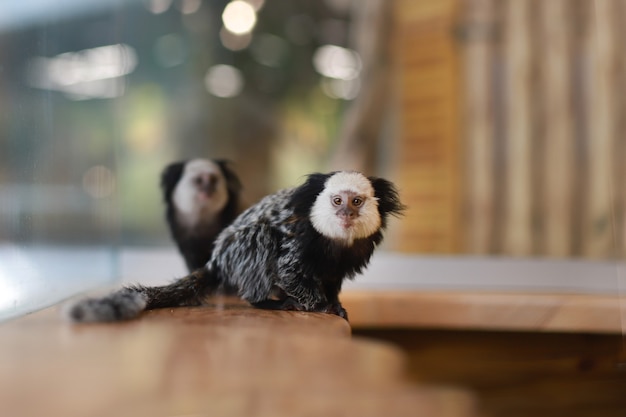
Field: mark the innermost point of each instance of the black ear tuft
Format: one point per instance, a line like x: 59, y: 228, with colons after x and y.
x: 304, y: 196
x: 388, y: 197
x: 232, y: 180
x: 170, y: 177
x: 234, y: 187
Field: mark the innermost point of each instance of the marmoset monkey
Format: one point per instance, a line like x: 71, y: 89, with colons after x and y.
x: 290, y: 251
x: 202, y: 197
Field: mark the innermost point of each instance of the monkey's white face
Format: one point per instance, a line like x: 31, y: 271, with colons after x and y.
x: 346, y: 209
x: 201, y: 192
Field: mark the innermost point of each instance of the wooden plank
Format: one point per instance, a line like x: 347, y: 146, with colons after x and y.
x: 478, y: 122
x: 600, y: 95
x: 508, y: 311
x: 619, y: 165
x: 226, y: 360
x: 517, y: 227
x: 557, y: 133
x: 619, y: 155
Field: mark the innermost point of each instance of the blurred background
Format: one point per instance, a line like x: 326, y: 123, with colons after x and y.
x: 500, y: 120
x: 98, y: 96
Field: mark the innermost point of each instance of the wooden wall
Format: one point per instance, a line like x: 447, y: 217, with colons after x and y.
x: 428, y: 156
x: 512, y: 124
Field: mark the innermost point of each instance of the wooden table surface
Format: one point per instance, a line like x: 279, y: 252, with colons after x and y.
x: 224, y: 359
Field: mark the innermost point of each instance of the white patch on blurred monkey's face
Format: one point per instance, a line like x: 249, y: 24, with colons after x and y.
x: 201, y: 192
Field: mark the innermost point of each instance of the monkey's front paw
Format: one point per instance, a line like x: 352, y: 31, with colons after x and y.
x: 336, y: 309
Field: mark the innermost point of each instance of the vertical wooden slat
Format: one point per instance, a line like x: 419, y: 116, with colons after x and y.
x: 428, y: 160
x: 478, y: 122
x: 599, y: 90
x: 619, y: 156
x: 558, y: 139
x: 517, y: 238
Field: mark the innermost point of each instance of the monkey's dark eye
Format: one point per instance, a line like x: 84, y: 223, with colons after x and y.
x: 337, y: 201
x: 357, y: 201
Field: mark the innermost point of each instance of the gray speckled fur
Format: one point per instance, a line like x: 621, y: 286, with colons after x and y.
x: 271, y: 253
x: 240, y: 262
x: 122, y: 305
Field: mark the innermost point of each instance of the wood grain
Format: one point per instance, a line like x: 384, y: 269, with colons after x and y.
x: 479, y: 125
x: 557, y: 161
x: 517, y: 232
x: 599, y: 47
x: 224, y: 359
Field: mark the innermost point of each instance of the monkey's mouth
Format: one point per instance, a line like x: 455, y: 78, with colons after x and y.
x: 208, y: 191
x: 206, y: 185
x: 346, y: 223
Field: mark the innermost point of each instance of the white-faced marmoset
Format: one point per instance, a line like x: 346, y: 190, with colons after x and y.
x: 290, y: 251
x: 201, y: 197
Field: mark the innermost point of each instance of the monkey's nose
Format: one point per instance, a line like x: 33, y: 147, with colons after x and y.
x: 207, y: 182
x: 347, y: 213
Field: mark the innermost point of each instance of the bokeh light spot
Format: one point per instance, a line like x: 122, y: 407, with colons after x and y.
x: 239, y: 17
x: 337, y: 62
x: 158, y: 6
x: 224, y: 81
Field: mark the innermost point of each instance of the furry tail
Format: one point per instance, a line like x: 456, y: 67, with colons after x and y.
x: 129, y: 302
